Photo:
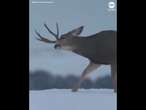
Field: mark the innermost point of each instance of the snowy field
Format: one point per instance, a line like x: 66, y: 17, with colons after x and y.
x: 64, y: 99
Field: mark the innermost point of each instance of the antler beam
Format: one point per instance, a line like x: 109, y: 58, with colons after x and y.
x: 57, y: 30
x: 43, y: 39
x: 55, y: 35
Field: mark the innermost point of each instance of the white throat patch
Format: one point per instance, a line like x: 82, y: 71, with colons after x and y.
x: 67, y: 48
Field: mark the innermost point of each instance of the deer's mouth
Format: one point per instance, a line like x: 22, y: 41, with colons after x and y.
x: 57, y: 46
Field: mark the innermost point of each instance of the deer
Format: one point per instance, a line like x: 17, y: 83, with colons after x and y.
x: 99, y: 48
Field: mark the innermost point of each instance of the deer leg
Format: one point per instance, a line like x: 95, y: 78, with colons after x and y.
x: 114, y: 76
x: 92, y: 66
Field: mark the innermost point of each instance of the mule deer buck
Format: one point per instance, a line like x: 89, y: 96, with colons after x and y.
x: 99, y: 48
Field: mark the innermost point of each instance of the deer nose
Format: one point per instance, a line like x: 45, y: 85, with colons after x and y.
x: 57, y: 46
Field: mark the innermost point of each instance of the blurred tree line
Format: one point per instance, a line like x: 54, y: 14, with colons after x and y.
x: 40, y: 80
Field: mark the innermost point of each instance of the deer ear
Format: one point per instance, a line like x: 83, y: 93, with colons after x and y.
x: 76, y: 31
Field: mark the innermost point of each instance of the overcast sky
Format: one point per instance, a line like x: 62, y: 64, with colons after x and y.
x: 93, y: 14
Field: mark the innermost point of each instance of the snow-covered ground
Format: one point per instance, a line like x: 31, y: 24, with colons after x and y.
x: 64, y: 99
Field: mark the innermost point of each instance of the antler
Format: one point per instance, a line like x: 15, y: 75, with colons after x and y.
x: 55, y: 35
x: 43, y: 39
x: 57, y: 30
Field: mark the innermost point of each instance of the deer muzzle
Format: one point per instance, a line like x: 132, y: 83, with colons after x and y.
x: 57, y: 46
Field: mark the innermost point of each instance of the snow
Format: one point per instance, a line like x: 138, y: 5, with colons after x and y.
x: 64, y: 99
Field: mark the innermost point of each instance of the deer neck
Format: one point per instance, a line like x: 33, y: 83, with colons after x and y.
x: 82, y: 44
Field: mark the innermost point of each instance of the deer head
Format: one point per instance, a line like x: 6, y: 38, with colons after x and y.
x: 65, y: 41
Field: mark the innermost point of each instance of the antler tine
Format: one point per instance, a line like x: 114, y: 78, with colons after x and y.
x: 50, y: 31
x: 43, y: 39
x: 57, y: 30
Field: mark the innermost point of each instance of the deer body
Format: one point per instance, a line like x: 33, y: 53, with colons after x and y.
x: 99, y: 48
